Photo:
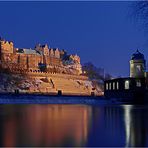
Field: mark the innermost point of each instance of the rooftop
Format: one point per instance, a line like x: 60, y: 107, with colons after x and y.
x: 137, y: 56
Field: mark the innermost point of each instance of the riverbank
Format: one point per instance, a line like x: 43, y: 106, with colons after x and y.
x: 46, y: 99
x: 50, y: 84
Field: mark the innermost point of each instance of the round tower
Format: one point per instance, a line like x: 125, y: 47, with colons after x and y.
x: 137, y: 65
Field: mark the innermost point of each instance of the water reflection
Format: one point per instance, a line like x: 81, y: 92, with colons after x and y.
x: 127, y: 119
x: 135, y: 119
x: 125, y: 126
x: 45, y: 125
x: 73, y: 125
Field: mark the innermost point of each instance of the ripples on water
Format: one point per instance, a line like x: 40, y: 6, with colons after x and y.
x: 81, y: 123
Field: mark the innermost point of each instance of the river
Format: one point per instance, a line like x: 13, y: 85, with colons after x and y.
x: 65, y: 122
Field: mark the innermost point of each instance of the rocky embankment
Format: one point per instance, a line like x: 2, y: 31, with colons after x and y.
x: 9, y: 83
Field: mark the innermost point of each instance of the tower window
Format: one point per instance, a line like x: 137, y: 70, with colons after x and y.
x: 138, y: 68
x: 126, y: 84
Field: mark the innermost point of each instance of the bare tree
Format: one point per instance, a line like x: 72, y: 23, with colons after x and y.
x: 141, y: 12
x: 94, y: 72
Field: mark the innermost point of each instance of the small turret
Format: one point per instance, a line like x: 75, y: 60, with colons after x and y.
x: 5, y: 46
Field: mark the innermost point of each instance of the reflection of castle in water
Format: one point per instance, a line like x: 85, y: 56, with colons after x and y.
x: 51, y: 125
x: 73, y: 125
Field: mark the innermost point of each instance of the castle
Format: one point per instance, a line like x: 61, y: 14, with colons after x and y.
x: 40, y: 59
x: 42, y: 70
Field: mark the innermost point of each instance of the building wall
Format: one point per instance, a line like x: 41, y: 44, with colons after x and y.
x: 124, y: 87
x: 57, y: 53
x: 29, y: 60
x: 46, y: 50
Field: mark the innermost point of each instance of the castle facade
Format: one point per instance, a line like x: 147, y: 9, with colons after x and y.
x: 40, y: 59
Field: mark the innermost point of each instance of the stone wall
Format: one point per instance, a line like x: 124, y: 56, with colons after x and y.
x: 46, y: 84
x: 29, y: 60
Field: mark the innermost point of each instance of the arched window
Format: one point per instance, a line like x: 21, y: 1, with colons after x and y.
x: 117, y: 84
x: 110, y: 86
x: 113, y: 85
x: 106, y: 86
x: 126, y: 84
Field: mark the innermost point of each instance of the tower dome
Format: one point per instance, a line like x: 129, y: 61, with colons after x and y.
x: 137, y: 65
x: 137, y: 56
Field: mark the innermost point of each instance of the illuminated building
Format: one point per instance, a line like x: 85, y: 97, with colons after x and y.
x: 40, y: 59
x: 42, y: 70
x: 131, y: 88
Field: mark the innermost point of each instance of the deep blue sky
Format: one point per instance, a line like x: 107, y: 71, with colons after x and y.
x: 100, y: 32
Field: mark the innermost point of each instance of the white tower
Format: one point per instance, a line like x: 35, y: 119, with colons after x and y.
x: 137, y: 65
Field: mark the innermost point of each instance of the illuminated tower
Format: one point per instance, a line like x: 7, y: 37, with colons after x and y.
x: 137, y: 65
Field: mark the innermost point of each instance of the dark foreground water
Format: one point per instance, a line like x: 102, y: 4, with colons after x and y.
x: 72, y: 122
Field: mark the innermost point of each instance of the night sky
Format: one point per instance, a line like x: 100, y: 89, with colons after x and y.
x: 103, y: 33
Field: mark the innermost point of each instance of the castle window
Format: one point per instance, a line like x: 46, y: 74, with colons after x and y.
x: 117, y: 85
x: 106, y: 86
x: 126, y: 84
x: 138, y: 83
